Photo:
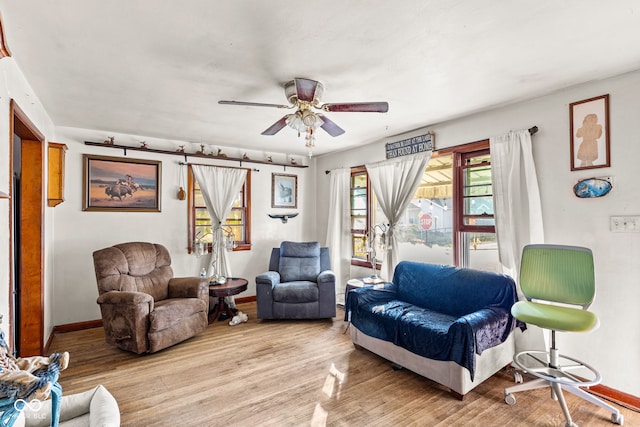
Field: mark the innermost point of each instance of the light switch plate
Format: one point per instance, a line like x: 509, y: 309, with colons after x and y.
x: 625, y: 224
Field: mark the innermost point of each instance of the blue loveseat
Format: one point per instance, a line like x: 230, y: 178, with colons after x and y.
x: 452, y: 325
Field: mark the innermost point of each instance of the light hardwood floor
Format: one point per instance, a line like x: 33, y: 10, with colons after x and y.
x: 292, y: 373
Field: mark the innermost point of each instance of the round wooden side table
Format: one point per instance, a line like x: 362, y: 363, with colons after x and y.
x: 233, y: 286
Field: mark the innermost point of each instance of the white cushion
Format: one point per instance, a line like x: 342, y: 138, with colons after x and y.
x: 95, y: 407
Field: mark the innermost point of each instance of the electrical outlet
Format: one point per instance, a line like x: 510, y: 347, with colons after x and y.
x: 625, y: 224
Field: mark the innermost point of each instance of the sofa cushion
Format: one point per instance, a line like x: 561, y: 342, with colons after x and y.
x: 170, y: 311
x: 452, y: 290
x: 296, y: 292
x: 299, y: 261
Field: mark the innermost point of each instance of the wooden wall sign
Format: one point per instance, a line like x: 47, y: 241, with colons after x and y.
x: 415, y: 145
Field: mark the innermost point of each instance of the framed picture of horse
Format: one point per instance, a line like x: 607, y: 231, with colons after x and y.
x: 121, y: 184
x: 284, y: 191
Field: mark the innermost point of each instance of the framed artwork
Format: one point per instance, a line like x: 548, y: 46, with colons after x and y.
x: 284, y: 191
x: 590, y: 145
x: 120, y: 184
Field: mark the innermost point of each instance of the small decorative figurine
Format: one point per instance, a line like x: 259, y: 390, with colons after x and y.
x: 220, y: 153
x: 180, y: 149
x: 244, y: 156
x: 293, y: 161
x: 269, y: 159
x: 110, y: 140
x: 143, y: 144
x: 201, y: 151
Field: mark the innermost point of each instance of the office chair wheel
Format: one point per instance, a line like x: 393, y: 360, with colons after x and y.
x: 510, y: 399
x: 617, y: 419
x: 517, y: 377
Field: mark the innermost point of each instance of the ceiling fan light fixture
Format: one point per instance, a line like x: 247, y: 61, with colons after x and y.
x: 305, y: 122
x: 309, y: 118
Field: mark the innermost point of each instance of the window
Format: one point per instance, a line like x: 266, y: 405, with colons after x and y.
x: 238, y: 221
x: 359, y: 213
x: 365, y: 213
x: 450, y: 219
x: 476, y: 239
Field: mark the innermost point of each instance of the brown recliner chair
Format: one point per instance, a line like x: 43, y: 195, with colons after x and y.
x: 144, y: 308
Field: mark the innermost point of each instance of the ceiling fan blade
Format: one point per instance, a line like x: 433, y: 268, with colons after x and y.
x: 330, y: 127
x: 358, y: 107
x: 276, y: 127
x: 306, y: 89
x: 253, y: 104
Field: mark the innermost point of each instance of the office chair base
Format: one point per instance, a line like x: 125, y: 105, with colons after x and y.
x: 554, y: 370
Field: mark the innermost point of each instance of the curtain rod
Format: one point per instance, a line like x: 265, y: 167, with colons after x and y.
x: 532, y: 131
x: 215, y: 166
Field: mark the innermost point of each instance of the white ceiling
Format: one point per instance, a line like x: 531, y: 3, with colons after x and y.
x: 158, y: 67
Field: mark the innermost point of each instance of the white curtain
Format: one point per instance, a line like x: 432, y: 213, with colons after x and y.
x: 339, y: 228
x: 394, y: 183
x: 220, y: 187
x: 518, y: 210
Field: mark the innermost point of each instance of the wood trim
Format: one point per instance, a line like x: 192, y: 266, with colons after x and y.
x: 71, y: 327
x: 31, y: 250
x: 4, y: 49
x: 24, y: 127
x: 245, y: 299
x: 79, y: 326
x: 621, y: 398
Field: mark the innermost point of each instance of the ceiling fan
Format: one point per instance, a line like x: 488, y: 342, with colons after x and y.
x: 304, y: 95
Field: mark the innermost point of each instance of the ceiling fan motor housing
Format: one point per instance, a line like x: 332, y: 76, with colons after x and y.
x: 291, y: 92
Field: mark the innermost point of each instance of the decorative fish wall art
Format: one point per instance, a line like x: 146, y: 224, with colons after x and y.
x: 592, y: 187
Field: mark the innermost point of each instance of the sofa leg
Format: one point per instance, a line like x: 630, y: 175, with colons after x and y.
x: 457, y: 395
x: 396, y: 367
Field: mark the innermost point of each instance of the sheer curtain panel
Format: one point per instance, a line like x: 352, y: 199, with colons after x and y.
x: 339, y: 228
x: 517, y: 209
x: 394, y: 182
x: 220, y: 187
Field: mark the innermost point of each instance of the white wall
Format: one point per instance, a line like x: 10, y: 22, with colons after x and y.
x: 613, y: 348
x: 79, y: 233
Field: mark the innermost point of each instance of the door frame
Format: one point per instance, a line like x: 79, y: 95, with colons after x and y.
x: 31, y: 244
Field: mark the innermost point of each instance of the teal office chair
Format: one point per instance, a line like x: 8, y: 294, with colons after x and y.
x: 559, y: 285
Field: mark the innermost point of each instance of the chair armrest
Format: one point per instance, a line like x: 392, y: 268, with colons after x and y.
x: 269, y: 278
x: 189, y: 287
x: 326, y: 276
x: 126, y: 298
x: 327, y: 283
x: 125, y: 316
x: 491, y: 326
x: 377, y: 294
x: 264, y: 297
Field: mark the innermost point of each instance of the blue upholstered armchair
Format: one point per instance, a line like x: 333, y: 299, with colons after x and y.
x: 298, y: 285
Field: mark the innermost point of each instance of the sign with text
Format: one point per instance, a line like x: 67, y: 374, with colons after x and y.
x: 426, y: 221
x: 417, y: 144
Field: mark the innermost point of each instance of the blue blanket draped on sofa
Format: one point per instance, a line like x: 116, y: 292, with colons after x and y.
x: 437, y: 311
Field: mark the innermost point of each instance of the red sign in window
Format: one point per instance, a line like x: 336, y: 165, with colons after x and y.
x: 426, y: 221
